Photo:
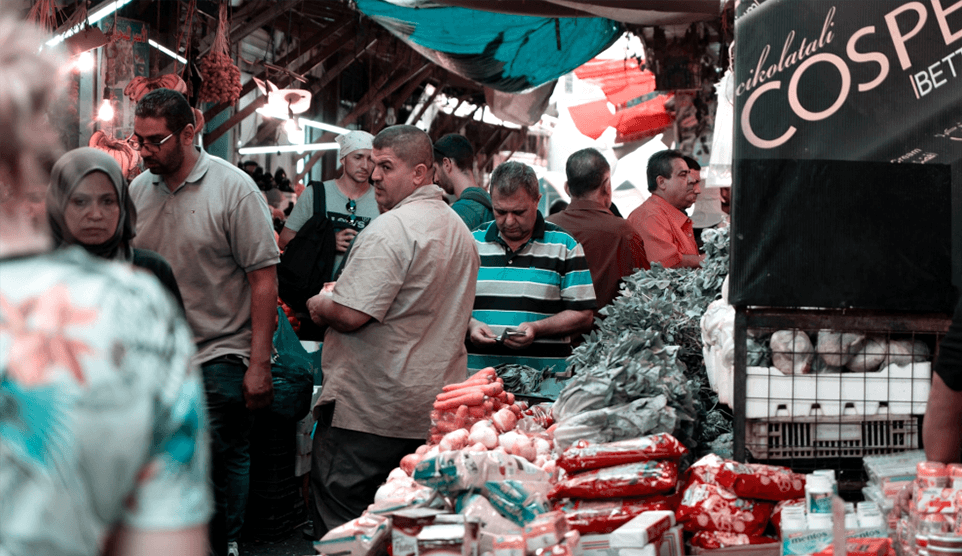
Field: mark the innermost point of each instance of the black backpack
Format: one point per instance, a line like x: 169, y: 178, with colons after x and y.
x: 308, y: 260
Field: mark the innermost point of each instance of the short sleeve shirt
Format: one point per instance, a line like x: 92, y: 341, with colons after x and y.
x: 213, y: 230
x: 666, y: 231
x: 612, y: 247
x: 338, y: 210
x: 104, y: 420
x: 413, y: 270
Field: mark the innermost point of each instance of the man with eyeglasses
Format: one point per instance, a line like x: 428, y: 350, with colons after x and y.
x: 350, y: 198
x: 211, y: 222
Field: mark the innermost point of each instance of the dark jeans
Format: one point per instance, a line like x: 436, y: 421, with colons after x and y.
x: 230, y: 426
x: 347, y: 467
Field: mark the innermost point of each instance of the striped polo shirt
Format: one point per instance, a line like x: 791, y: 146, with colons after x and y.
x: 547, y: 275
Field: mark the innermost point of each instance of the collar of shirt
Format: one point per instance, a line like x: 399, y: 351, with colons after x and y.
x: 678, y: 217
x: 423, y: 193
x: 586, y: 204
x: 196, y: 173
x: 493, y: 235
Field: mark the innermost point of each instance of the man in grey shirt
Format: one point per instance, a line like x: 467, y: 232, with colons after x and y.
x: 397, y: 319
x: 211, y: 223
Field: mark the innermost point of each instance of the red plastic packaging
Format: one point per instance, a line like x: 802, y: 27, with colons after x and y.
x: 707, y: 507
x: 748, y: 480
x: 634, y: 479
x: 776, y: 518
x: 604, y: 516
x: 583, y: 455
x: 716, y: 539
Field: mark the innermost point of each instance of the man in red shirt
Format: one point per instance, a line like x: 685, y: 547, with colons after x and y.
x: 612, y: 247
x: 661, y: 220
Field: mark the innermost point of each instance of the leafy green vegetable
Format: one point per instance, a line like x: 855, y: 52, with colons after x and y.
x: 648, y: 343
x: 521, y: 379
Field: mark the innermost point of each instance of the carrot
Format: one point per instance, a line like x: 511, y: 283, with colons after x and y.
x: 478, y: 411
x: 447, y: 426
x: 471, y: 382
x: 496, y: 404
x: 489, y: 406
x: 445, y: 396
x: 461, y: 415
x: 510, y: 398
x: 474, y: 397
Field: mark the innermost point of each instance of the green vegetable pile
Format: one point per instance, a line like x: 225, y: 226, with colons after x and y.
x: 648, y: 343
x: 521, y: 379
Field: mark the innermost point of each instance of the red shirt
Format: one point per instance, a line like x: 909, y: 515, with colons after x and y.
x: 666, y: 231
x: 612, y: 247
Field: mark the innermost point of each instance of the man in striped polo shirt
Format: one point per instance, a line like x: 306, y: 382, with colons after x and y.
x: 534, y: 290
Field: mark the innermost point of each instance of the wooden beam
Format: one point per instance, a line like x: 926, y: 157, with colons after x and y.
x: 375, y: 95
x: 243, y: 113
x: 428, y: 102
x: 283, y: 61
x: 245, y: 21
x: 405, y: 94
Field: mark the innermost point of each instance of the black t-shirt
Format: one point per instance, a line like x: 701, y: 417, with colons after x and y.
x: 949, y: 364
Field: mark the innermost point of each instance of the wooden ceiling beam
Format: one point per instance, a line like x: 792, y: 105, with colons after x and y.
x: 429, y: 101
x: 375, y: 95
x: 249, y: 18
x: 249, y: 109
x: 287, y: 59
x: 405, y: 94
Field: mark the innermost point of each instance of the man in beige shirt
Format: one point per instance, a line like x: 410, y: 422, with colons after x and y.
x: 397, y: 319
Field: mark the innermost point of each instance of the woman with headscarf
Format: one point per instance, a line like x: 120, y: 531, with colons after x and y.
x: 88, y: 205
x: 104, y: 436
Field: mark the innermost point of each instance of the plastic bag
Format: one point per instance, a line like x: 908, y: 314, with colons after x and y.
x: 633, y: 479
x: 716, y: 539
x: 456, y: 471
x: 584, y: 455
x: 292, y: 372
x: 604, y: 516
x: 792, y: 352
x: 708, y: 507
x: 748, y: 480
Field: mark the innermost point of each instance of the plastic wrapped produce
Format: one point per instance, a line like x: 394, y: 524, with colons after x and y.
x: 837, y: 348
x: 716, y: 539
x: 904, y: 352
x: 870, y: 357
x: 792, y: 352
x: 748, y: 480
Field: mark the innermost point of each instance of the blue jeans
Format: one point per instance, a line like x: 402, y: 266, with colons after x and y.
x: 230, y: 426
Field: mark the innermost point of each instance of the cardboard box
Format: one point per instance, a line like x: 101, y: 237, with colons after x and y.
x: 405, y: 527
x: 449, y: 535
x: 545, y: 530
x: 630, y: 535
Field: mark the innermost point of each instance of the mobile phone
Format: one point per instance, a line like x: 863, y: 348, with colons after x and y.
x: 513, y: 332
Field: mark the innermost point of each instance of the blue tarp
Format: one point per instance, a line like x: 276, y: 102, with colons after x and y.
x: 509, y: 53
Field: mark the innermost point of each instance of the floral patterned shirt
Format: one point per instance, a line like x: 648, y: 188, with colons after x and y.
x: 102, y: 416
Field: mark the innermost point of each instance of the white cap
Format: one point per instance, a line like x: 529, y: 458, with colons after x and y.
x: 352, y: 141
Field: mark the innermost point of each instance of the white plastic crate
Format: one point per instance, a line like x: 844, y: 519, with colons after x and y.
x: 845, y: 436
x: 902, y: 390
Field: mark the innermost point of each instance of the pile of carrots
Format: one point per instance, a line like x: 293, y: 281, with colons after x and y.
x: 480, y: 397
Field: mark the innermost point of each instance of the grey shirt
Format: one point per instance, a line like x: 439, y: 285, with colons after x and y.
x: 338, y: 210
x: 213, y: 231
x: 414, y: 272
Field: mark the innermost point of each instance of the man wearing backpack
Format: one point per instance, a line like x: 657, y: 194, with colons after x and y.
x: 454, y: 172
x: 349, y: 199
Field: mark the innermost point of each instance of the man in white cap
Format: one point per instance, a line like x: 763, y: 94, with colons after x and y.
x: 349, y: 199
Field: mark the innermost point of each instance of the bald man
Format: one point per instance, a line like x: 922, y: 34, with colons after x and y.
x: 397, y: 319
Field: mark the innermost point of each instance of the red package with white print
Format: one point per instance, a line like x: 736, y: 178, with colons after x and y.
x: 633, y: 479
x: 706, y: 507
x: 748, y: 480
x: 604, y: 516
x: 583, y: 455
x: 776, y: 518
x: 711, y: 540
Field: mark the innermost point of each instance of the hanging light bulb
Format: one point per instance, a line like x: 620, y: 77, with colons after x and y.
x: 85, y: 61
x: 295, y: 133
x: 106, y: 112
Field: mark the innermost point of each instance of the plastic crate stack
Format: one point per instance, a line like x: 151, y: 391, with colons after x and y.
x: 817, y: 395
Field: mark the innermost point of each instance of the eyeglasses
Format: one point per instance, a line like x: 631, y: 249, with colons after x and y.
x: 137, y: 144
x: 351, y: 207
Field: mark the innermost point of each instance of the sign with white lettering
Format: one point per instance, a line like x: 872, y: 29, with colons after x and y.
x: 847, y: 154
x: 850, y: 80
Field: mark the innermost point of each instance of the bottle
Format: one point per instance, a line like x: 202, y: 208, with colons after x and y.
x: 818, y: 494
